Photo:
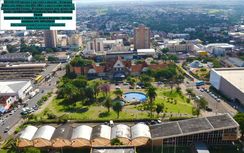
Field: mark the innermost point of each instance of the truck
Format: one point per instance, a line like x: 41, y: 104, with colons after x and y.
x: 33, y: 93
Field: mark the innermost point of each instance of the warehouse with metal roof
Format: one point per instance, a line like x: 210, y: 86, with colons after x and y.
x: 43, y: 135
x: 81, y: 136
x: 140, y: 134
x: 25, y: 139
x: 61, y: 136
x: 101, y: 135
x: 121, y: 132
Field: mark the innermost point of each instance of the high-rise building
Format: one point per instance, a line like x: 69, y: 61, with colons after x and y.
x: 50, y: 38
x: 141, y: 37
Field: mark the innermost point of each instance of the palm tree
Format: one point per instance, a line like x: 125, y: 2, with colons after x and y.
x: 159, y: 108
x: 118, y: 93
x: 151, y: 93
x: 108, y: 103
x: 117, y: 107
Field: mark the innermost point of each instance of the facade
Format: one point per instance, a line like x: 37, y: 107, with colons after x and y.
x: 19, y: 89
x: 102, y: 46
x: 141, y: 37
x: 16, y: 57
x: 117, y: 69
x: 50, y: 38
x: 229, y: 81
x: 75, y: 41
x: 179, y: 45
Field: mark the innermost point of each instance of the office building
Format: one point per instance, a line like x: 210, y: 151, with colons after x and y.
x: 141, y: 37
x: 50, y: 38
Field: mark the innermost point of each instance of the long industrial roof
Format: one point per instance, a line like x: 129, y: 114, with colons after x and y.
x: 9, y: 87
x: 232, y: 75
x: 192, y: 126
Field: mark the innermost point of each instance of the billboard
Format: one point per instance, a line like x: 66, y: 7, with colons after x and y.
x: 37, y: 15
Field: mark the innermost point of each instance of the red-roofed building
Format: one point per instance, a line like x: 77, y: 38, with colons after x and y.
x: 116, y: 69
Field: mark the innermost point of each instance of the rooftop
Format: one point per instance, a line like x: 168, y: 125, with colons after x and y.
x: 11, y: 86
x: 192, y: 126
x: 233, y: 75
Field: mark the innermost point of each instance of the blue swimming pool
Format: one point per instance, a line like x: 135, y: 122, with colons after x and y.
x: 135, y: 97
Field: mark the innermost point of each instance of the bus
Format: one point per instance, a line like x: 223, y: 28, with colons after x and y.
x: 38, y: 79
x: 200, y: 83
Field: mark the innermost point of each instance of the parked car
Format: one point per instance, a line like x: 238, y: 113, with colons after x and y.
x: 6, y: 129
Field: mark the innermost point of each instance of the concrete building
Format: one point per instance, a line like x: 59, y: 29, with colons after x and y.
x: 179, y: 45
x: 141, y: 37
x: 15, y: 88
x: 220, y: 49
x: 50, y: 38
x: 229, y: 81
x: 75, y: 41
x: 102, y: 46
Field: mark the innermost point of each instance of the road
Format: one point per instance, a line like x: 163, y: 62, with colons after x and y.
x: 217, y: 107
x: 12, y: 120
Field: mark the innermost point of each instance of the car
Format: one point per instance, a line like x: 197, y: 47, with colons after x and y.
x: 209, y: 109
x: 138, y: 87
x: 117, y: 87
x: 201, y: 90
x: 6, y: 129
x: 153, y: 122
x: 125, y: 83
x: 218, y: 100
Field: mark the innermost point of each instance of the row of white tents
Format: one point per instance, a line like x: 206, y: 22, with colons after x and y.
x: 83, y: 135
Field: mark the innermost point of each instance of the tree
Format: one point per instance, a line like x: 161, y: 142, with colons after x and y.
x: 89, y: 93
x: 159, y: 108
x: 189, y: 92
x: 117, y: 107
x: 151, y: 93
x: 105, y: 88
x: 239, y: 117
x: 108, y: 103
x: 96, y: 87
x: 195, y: 111
x: 165, y: 50
x: 202, y: 103
x: 118, y: 93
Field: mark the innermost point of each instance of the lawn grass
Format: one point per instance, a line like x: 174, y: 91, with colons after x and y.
x: 77, y: 111
x: 174, y: 102
x: 93, y: 112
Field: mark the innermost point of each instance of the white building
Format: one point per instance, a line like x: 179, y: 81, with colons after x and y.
x: 102, y: 46
x: 229, y: 81
x: 15, y: 88
x: 179, y: 45
x: 220, y: 49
